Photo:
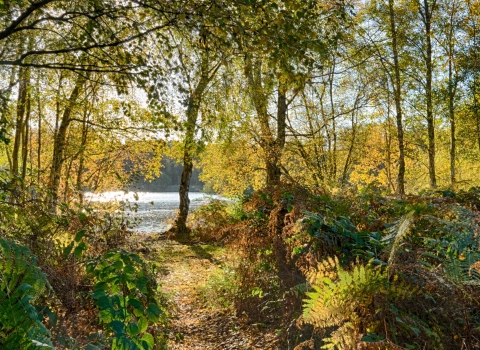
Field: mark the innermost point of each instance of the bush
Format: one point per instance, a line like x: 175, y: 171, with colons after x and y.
x: 21, y: 283
x: 221, y: 288
x: 210, y: 220
x: 130, y: 302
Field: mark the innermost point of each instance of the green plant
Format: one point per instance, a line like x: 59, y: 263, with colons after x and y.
x: 21, y: 283
x: 221, y: 288
x: 209, y: 220
x: 343, y: 237
x: 129, y: 300
x: 350, y: 300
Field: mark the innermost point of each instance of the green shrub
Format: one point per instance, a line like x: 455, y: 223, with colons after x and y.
x: 221, y: 288
x: 341, y: 235
x: 129, y: 300
x: 209, y: 221
x: 21, y: 283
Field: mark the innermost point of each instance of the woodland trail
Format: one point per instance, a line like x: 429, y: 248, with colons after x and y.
x: 186, y: 268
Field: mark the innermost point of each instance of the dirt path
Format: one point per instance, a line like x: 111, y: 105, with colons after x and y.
x: 197, y: 325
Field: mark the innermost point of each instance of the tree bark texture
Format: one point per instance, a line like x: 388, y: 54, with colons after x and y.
x: 60, y: 141
x: 397, y: 88
x: 426, y: 14
x: 19, y: 122
x: 452, y: 89
x: 271, y: 142
x: 193, y: 108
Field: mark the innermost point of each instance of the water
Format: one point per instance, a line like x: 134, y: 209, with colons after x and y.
x: 154, y: 209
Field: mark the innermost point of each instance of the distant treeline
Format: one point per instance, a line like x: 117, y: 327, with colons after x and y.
x: 169, y: 180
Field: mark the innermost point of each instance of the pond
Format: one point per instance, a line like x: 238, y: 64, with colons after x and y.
x: 155, y: 210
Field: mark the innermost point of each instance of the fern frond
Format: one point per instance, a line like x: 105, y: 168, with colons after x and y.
x: 464, y: 269
x: 398, y: 232
x: 334, y: 300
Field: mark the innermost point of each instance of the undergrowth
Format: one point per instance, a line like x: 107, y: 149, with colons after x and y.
x: 390, y: 273
x: 55, y: 264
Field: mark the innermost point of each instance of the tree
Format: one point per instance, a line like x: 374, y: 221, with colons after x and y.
x: 398, y: 101
x: 292, y: 40
x: 95, y: 27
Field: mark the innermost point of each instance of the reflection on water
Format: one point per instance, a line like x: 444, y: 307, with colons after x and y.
x: 154, y: 209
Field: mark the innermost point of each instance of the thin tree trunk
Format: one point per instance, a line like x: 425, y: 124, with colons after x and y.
x: 193, y: 108
x: 334, y: 126
x: 3, y: 111
x: 39, y: 148
x: 273, y: 167
x: 397, y: 85
x: 60, y: 141
x: 269, y: 144
x: 26, y: 137
x: 476, y: 115
x: 19, y: 124
x: 81, y: 160
x: 426, y: 14
x: 350, y: 150
x: 452, y: 87
x: 66, y: 190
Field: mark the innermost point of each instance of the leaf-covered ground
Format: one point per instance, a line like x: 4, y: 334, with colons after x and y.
x: 197, y: 322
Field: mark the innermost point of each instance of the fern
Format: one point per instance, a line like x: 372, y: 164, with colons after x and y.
x: 457, y: 246
x: 465, y: 269
x: 347, y: 299
x: 21, y: 282
x: 339, y: 293
x: 338, y: 296
x: 345, y: 337
x: 397, y: 234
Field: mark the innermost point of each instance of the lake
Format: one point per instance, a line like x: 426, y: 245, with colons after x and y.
x: 154, y: 209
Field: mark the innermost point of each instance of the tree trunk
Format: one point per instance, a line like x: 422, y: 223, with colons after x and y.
x: 19, y: 124
x: 272, y: 145
x: 397, y: 86
x: 452, y: 89
x: 427, y: 20
x: 193, y: 108
x: 59, y: 143
x: 81, y: 158
x: 476, y: 115
x: 26, y: 137
x: 273, y: 162
x: 333, y: 170
x: 39, y: 148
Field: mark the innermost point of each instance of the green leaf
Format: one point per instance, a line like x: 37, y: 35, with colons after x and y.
x: 80, y: 234
x: 82, y: 217
x: 372, y: 338
x: 52, y: 318
x: 147, y: 341
x: 142, y: 324
x: 129, y: 269
x: 92, y: 347
x: 137, y: 304
x: 67, y: 250
x: 118, y: 327
x: 133, y: 329
x: 79, y: 250
x: 104, y: 302
x: 153, y: 312
x: 118, y: 264
x: 415, y: 330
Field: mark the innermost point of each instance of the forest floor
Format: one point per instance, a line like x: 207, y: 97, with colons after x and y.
x: 188, y: 271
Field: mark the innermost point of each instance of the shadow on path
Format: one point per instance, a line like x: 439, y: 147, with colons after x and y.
x: 204, y: 253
